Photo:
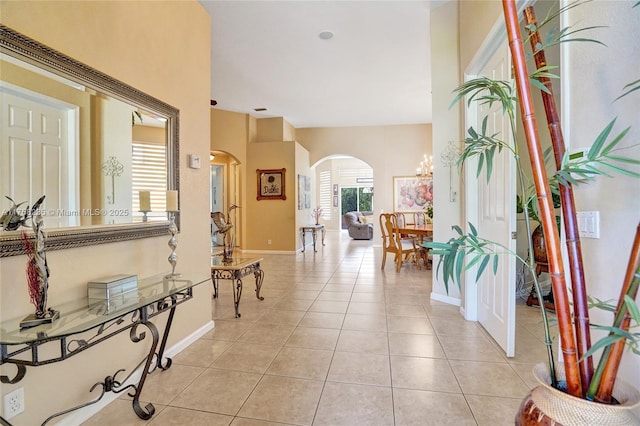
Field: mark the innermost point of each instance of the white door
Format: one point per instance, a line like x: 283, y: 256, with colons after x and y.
x: 34, y: 154
x: 491, y: 208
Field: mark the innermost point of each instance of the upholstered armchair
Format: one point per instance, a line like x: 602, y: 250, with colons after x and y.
x: 357, y: 227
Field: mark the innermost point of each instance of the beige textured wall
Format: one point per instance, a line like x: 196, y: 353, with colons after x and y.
x: 595, y: 77
x: 274, y: 219
x: 446, y: 127
x: 477, y: 17
x: 170, y: 61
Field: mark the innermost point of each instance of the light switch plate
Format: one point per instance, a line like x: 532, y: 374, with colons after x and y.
x: 589, y: 224
x: 194, y: 161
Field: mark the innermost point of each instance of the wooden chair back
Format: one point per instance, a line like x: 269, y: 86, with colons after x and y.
x: 392, y: 240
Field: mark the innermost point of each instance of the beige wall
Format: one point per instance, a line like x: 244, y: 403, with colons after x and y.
x: 446, y: 127
x: 174, y: 66
x: 273, y: 220
x: 477, y: 18
x: 592, y: 85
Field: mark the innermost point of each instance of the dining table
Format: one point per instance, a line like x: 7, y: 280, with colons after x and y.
x: 421, y: 232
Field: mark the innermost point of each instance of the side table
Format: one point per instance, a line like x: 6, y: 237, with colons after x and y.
x: 314, y: 231
x: 234, y: 270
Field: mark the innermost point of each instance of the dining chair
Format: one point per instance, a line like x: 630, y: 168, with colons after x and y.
x: 419, y: 218
x: 404, y: 249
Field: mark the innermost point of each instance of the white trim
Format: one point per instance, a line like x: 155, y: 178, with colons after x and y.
x: 565, y: 87
x: 446, y: 299
x: 83, y: 414
x: 270, y: 251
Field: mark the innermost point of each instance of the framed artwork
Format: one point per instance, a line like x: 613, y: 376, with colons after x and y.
x: 412, y: 193
x: 335, y: 189
x: 271, y: 184
x: 335, y: 201
x: 307, y: 192
x: 304, y: 192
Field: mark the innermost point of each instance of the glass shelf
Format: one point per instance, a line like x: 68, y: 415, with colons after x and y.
x: 82, y: 315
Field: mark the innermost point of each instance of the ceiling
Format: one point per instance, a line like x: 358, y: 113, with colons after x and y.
x: 375, y: 70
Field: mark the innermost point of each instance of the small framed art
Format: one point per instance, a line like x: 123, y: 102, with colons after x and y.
x: 271, y: 184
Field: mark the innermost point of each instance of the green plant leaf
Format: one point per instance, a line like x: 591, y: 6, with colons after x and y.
x: 482, y: 267
x: 601, y: 344
x: 632, y: 307
x: 632, y: 87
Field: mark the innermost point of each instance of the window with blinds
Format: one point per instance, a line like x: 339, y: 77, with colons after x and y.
x: 325, y: 194
x: 149, y: 173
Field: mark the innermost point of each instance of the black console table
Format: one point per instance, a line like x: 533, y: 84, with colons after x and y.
x: 82, y: 325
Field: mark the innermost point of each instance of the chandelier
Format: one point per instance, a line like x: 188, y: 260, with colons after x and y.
x: 426, y: 167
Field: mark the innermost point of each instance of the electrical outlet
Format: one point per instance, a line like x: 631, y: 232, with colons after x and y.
x: 13, y: 403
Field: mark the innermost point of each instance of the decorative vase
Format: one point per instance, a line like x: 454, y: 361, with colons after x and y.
x: 539, y: 247
x: 546, y: 405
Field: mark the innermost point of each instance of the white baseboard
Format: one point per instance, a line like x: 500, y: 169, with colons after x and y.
x: 83, y: 414
x: 445, y: 299
x: 269, y: 251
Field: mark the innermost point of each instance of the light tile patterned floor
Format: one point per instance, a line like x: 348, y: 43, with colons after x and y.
x: 338, y: 341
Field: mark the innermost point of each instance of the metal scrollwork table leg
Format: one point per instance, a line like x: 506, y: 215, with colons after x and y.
x: 111, y: 384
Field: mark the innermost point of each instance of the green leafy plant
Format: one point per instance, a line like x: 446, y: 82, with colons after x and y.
x: 603, y: 159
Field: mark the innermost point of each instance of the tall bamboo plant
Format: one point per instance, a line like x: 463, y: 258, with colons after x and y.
x: 469, y: 249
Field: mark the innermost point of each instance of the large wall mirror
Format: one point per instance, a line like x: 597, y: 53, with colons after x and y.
x: 98, y: 149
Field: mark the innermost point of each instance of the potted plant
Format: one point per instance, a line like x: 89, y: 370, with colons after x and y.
x: 579, y: 389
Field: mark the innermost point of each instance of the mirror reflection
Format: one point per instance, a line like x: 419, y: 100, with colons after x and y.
x: 91, y: 154
x: 103, y: 153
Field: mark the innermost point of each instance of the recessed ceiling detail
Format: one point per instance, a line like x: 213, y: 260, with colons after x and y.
x: 326, y: 35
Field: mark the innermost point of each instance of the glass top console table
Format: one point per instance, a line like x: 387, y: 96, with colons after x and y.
x: 82, y: 325
x: 235, y: 269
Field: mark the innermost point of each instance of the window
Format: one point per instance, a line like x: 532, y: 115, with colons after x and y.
x: 325, y: 194
x: 149, y: 173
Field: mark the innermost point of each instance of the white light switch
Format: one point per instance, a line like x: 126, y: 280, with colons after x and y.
x: 194, y: 161
x: 589, y: 224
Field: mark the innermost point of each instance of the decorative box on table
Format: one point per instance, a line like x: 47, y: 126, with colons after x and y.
x: 114, y: 292
x: 107, y: 287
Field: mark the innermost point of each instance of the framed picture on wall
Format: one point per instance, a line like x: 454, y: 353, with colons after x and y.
x: 412, y: 193
x: 302, y: 193
x: 271, y: 184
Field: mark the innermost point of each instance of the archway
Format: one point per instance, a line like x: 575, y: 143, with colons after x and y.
x: 342, y: 182
x: 224, y: 190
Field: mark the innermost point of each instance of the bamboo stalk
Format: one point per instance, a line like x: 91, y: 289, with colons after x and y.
x: 574, y: 252
x: 605, y: 374
x: 545, y: 201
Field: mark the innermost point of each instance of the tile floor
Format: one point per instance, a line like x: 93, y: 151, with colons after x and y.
x: 337, y: 341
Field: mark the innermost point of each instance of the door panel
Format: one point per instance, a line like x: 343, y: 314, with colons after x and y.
x: 34, y: 147
x: 495, y: 217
